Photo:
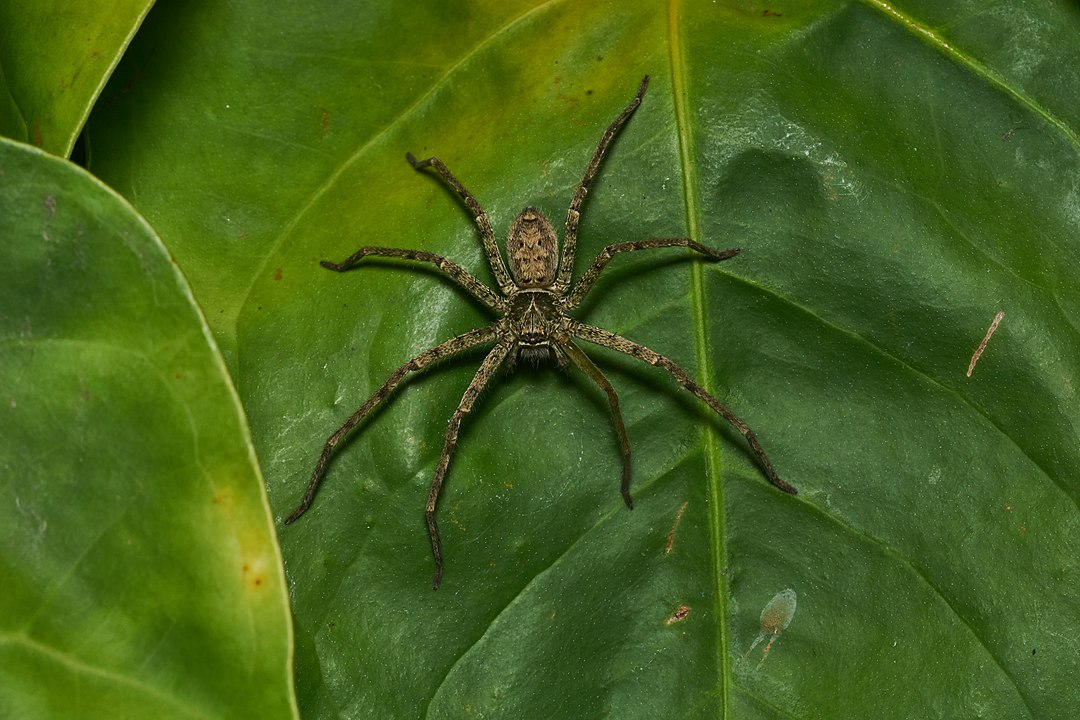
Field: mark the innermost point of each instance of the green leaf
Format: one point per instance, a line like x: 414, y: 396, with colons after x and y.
x: 141, y: 576
x: 54, y: 60
x: 896, y: 175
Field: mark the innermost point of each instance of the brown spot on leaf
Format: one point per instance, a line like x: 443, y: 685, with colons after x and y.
x: 277, y: 274
x: 255, y: 578
x: 674, y: 527
x: 680, y: 614
x: 223, y: 498
x: 982, y: 346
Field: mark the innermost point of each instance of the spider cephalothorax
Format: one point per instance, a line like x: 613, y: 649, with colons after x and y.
x: 533, y: 304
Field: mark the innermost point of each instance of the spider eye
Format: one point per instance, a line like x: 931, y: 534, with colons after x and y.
x: 532, y: 249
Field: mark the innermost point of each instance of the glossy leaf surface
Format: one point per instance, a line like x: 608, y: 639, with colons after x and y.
x: 141, y: 577
x: 896, y: 174
x: 54, y: 60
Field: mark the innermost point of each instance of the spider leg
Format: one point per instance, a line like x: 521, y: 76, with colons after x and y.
x: 442, y: 351
x: 615, y: 342
x: 483, y: 375
x: 584, y: 362
x: 573, y: 215
x: 487, y: 235
x: 587, y: 279
x: 455, y: 272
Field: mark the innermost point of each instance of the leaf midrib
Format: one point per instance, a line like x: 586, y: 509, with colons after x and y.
x: 692, y: 205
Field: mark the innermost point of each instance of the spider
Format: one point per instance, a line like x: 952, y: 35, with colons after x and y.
x: 533, y: 304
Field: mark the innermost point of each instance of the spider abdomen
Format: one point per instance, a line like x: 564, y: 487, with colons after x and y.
x: 532, y: 249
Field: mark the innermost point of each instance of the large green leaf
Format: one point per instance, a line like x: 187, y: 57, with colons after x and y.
x: 141, y: 577
x: 896, y: 175
x: 54, y: 60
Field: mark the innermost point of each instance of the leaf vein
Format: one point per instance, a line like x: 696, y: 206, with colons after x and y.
x: 959, y: 56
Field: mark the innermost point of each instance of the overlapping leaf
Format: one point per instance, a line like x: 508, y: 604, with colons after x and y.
x: 55, y: 58
x: 141, y: 577
x: 896, y: 175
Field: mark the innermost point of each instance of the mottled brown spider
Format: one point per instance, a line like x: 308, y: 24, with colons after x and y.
x: 534, y: 324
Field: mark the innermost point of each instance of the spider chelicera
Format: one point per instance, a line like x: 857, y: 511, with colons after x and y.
x: 533, y: 304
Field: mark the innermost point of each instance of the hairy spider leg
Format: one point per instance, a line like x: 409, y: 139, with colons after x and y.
x: 585, y: 282
x: 487, y: 235
x: 455, y: 272
x: 573, y: 215
x: 628, y: 347
x: 491, y: 363
x: 444, y: 350
x: 553, y: 329
x: 583, y: 361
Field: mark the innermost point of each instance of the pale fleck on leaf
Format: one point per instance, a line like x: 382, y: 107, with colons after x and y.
x: 775, y: 617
